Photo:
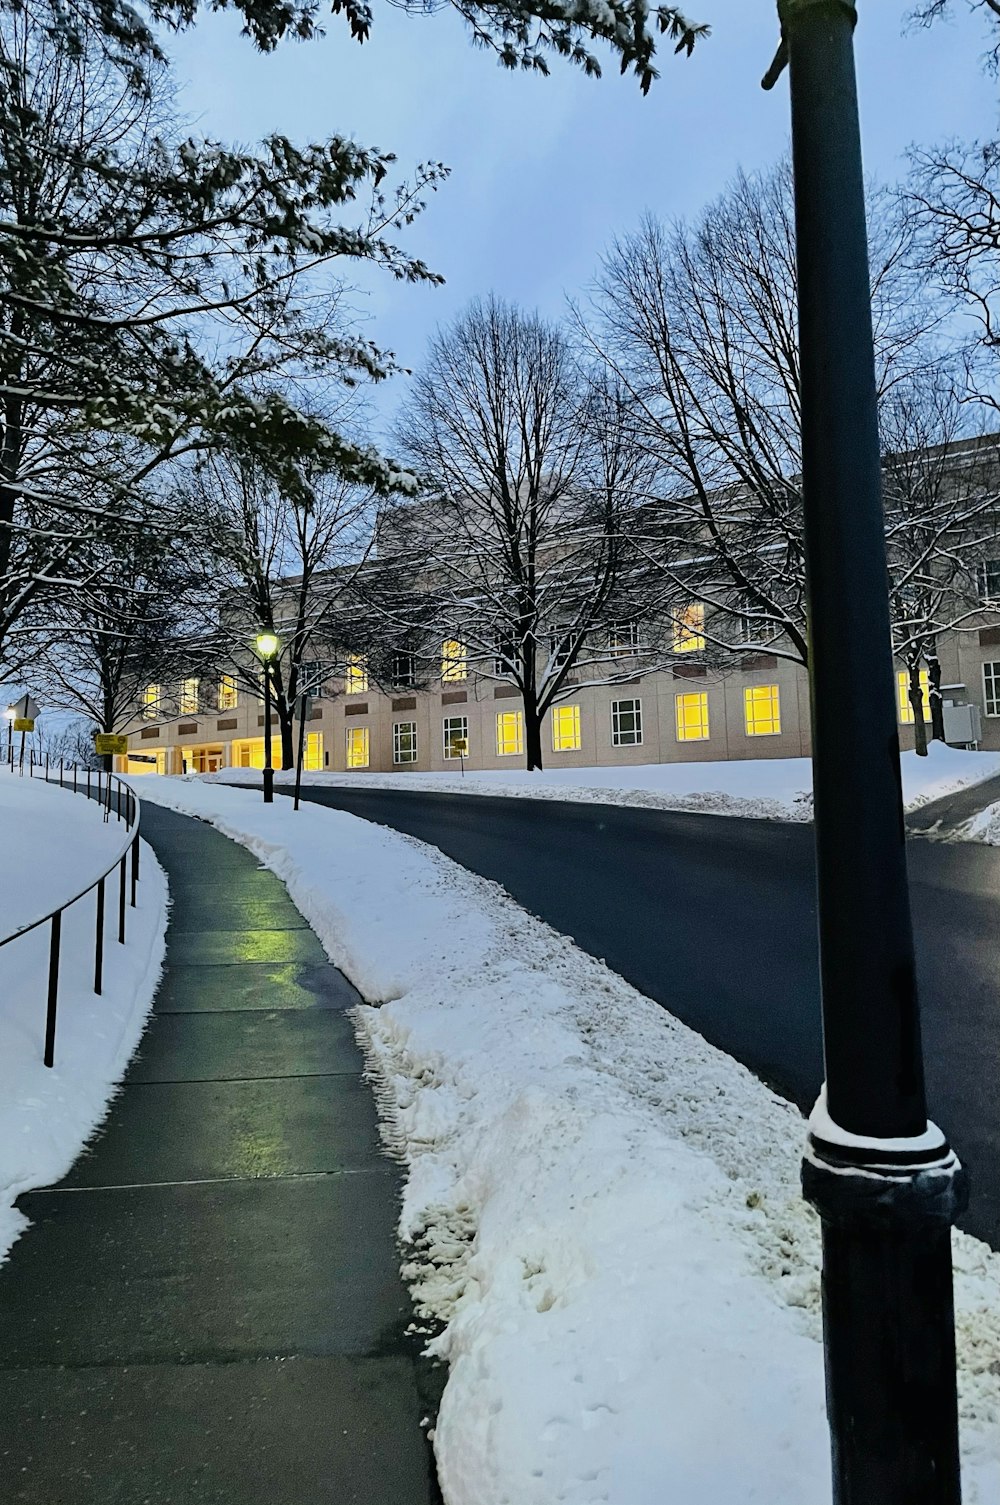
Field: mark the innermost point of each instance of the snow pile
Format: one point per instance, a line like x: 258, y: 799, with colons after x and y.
x: 602, y: 1211
x: 762, y: 788
x: 55, y: 843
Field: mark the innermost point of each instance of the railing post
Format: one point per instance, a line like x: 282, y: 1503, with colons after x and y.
x: 50, y: 1015
x: 99, y: 943
x: 46, y: 768
x: 60, y: 773
x: 135, y: 865
x: 74, y: 779
x: 121, y: 901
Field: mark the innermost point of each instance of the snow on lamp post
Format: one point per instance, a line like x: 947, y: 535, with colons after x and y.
x: 267, y: 648
x: 883, y: 1179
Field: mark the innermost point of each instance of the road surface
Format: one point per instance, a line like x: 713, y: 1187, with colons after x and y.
x: 715, y: 919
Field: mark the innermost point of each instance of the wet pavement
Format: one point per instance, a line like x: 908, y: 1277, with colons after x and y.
x: 208, y: 1306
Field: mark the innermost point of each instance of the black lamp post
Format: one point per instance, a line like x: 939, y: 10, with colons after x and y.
x: 267, y: 647
x: 884, y: 1181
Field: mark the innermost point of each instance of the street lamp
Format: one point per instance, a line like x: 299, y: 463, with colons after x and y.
x: 883, y: 1179
x: 267, y: 648
x: 9, y: 715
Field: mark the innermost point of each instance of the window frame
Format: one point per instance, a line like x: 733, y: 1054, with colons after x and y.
x: 462, y: 736
x: 189, y: 701
x: 227, y: 696
x: 682, y: 732
x: 983, y: 573
x: 752, y: 696
x: 618, y: 738
x: 689, y: 628
x: 397, y: 758
x: 502, y: 719
x: 356, y: 669
x: 623, y: 639
x: 353, y: 732
x: 991, y: 664
x: 558, y: 714
x: 150, y: 703
x: 455, y: 665
x: 403, y: 679
x: 904, y: 709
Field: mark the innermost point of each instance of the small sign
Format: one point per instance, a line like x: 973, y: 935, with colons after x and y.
x: 108, y: 742
x: 25, y: 709
x: 24, y: 723
x: 460, y: 746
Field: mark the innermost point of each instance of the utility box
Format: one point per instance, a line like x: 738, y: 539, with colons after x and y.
x: 962, y: 724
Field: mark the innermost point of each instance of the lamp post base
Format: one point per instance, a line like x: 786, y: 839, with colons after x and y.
x: 889, y: 1324
x: 268, y: 786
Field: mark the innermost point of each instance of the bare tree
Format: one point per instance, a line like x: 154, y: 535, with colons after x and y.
x: 700, y: 325
x: 941, y: 489
x: 281, y: 562
x: 518, y: 551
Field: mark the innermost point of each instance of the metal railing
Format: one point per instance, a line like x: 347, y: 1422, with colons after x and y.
x: 117, y: 801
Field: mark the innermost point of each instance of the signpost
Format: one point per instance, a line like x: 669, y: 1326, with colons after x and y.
x: 24, y: 713
x: 460, y: 745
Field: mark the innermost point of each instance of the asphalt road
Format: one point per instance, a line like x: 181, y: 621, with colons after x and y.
x: 715, y: 919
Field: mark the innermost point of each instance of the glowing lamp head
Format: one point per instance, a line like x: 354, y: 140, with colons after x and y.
x: 267, y: 644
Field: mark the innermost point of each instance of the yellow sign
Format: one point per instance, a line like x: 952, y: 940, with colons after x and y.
x: 108, y: 742
x: 24, y: 724
x: 460, y: 746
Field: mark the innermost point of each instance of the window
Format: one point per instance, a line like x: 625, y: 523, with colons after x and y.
x: 510, y: 733
x: 688, y: 628
x: 454, y: 661
x: 755, y: 629
x: 505, y: 657
x: 565, y: 728
x: 559, y: 649
x: 402, y: 671
x: 404, y: 742
x: 991, y: 689
x: 312, y: 753
x: 623, y: 639
x: 189, y: 698
x: 312, y: 678
x: 357, y: 747
x: 151, y: 702
x: 988, y: 580
x: 903, y: 695
x: 356, y: 675
x: 626, y: 723
x: 249, y: 754
x: 227, y: 692
x: 762, y: 710
x: 692, y: 717
x: 456, y: 736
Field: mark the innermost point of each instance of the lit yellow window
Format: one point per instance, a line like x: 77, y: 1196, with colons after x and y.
x: 357, y: 747
x: 510, y: 733
x: 189, y: 698
x: 565, y: 728
x: 151, y: 702
x: 227, y: 693
x: 692, y: 717
x: 312, y: 760
x: 903, y: 691
x: 356, y: 677
x: 249, y: 754
x: 689, y: 628
x: 762, y: 709
x: 454, y: 661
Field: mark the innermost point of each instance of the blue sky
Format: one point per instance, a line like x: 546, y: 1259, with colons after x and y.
x: 545, y: 171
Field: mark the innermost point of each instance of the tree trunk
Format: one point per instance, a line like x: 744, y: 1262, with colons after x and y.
x: 917, y: 706
x: 532, y: 738
x: 284, y: 711
x: 935, y: 696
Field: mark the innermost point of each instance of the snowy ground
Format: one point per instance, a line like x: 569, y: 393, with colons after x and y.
x: 54, y: 844
x: 767, y: 788
x: 604, y: 1229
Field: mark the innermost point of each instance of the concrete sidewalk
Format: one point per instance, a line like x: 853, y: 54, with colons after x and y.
x: 208, y: 1307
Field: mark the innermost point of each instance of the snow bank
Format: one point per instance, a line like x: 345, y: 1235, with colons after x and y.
x: 54, y: 844
x: 604, y: 1230
x: 762, y: 788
